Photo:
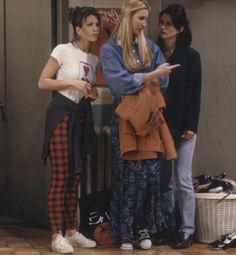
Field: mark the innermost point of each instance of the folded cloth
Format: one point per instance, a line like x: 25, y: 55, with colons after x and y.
x: 143, y: 131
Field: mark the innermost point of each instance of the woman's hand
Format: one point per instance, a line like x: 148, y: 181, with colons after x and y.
x: 188, y: 134
x: 93, y: 94
x: 161, y: 70
x: 82, y: 86
x: 166, y: 68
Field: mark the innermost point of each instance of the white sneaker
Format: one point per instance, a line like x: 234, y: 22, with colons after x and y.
x: 127, y: 246
x: 144, y: 240
x: 61, y: 245
x: 79, y: 240
x: 145, y: 244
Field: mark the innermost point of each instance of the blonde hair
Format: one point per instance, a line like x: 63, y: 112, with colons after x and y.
x: 124, y: 35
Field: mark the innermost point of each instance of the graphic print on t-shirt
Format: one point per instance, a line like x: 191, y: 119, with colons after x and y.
x: 86, y: 72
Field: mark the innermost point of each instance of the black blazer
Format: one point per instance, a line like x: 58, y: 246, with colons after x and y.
x: 184, y: 92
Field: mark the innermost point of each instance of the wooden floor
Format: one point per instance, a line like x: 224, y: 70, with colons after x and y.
x: 19, y: 238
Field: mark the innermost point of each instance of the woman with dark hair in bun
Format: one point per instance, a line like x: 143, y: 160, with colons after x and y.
x: 69, y: 133
x: 182, y: 114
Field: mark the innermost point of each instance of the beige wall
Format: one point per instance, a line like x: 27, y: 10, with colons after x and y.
x: 2, y: 99
x: 28, y: 42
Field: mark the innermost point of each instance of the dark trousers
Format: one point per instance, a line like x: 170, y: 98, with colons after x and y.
x: 167, y: 195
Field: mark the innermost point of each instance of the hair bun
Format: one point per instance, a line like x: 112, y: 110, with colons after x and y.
x: 72, y: 13
x: 181, y: 10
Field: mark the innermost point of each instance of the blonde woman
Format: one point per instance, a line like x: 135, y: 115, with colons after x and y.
x: 129, y: 60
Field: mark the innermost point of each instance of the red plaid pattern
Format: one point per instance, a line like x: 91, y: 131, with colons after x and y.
x: 63, y: 192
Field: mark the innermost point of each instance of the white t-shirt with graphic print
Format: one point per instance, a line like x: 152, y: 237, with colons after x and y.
x: 74, y: 64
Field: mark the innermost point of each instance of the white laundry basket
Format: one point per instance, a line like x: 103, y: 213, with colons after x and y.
x: 214, y: 219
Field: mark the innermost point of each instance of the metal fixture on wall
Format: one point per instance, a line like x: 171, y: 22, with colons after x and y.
x: 2, y: 109
x: 97, y: 176
x: 60, y: 33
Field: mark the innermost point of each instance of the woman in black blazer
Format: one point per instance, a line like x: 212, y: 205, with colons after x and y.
x: 182, y: 115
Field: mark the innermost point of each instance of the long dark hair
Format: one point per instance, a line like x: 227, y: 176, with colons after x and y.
x: 78, y: 15
x: 179, y: 19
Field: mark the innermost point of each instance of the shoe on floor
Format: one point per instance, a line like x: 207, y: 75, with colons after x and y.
x: 183, y: 240
x: 127, y: 246
x: 79, y: 240
x: 217, y: 244
x: 227, y: 241
x: 61, y: 245
x: 144, y: 239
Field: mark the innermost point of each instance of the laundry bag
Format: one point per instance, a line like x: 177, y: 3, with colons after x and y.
x: 215, y: 215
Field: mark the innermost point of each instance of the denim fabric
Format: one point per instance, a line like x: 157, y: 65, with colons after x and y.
x: 118, y: 78
x: 184, y: 185
x: 184, y: 193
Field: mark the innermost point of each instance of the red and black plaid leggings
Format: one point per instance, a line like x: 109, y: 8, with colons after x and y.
x: 63, y: 192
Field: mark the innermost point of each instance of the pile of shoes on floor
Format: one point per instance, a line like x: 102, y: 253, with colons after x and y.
x: 214, y: 184
x: 217, y: 184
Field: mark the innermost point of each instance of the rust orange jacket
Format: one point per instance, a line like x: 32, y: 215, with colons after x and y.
x: 143, y: 131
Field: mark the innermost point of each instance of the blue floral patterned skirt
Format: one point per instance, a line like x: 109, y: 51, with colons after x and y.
x: 135, y: 202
